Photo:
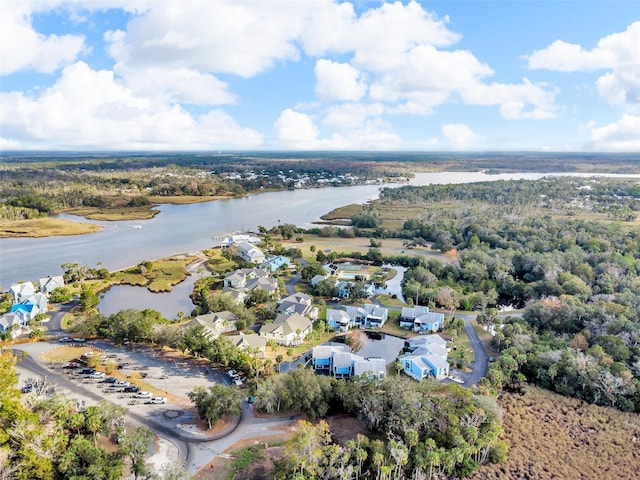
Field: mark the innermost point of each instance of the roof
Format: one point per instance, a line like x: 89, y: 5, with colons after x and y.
x: 342, y: 359
x: 426, y: 340
x: 429, y: 318
x: 413, y: 312
x: 51, y: 282
x: 268, y: 284
x: 287, y: 324
x: 339, y: 316
x: 299, y: 298
x: 242, y: 341
x: 370, y: 365
x: 326, y: 351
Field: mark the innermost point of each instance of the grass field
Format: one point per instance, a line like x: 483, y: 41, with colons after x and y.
x: 44, y: 227
x: 556, y: 437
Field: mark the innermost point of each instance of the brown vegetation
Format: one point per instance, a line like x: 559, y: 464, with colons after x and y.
x: 551, y: 437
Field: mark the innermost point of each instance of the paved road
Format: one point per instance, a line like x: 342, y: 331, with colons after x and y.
x: 196, y: 449
x: 480, y: 364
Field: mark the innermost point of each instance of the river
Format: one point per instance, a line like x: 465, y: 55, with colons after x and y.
x: 189, y: 228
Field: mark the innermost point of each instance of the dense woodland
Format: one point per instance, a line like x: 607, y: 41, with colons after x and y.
x: 567, y: 249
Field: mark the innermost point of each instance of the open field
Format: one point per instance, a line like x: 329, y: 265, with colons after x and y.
x: 390, y: 246
x: 44, y: 227
x: 556, y: 437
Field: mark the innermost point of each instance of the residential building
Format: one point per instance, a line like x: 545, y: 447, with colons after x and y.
x: 22, y: 291
x: 251, y: 342
x: 420, y: 319
x: 48, y: 284
x: 11, y: 323
x: 317, y: 279
x: 250, y: 253
x: 215, y: 324
x: 238, y: 238
x: 275, y: 262
x: 339, y: 320
x: 426, y: 357
x: 300, y: 303
x: 368, y: 316
x: 339, y: 361
x: 287, y: 329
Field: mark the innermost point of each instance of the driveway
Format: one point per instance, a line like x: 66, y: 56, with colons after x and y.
x: 196, y: 448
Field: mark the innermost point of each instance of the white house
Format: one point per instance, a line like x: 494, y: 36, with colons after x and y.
x: 11, y: 323
x: 426, y: 356
x: 22, y: 291
x: 301, y: 303
x: 215, y: 323
x: 254, y: 343
x: 238, y: 238
x: 250, y: 253
x: 368, y: 316
x: 48, y: 284
x: 287, y: 329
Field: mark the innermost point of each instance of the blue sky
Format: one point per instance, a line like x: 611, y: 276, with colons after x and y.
x: 445, y: 75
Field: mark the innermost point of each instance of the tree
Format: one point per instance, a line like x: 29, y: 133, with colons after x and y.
x: 136, y: 446
x: 311, y: 270
x: 83, y: 460
x: 60, y: 295
x: 88, y: 298
x: 356, y: 339
x: 216, y: 402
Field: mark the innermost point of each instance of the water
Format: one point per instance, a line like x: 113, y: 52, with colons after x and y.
x: 188, y: 228
x: 380, y: 345
x: 169, y: 304
x: 394, y: 286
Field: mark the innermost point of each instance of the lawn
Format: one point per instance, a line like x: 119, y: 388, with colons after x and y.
x: 161, y: 277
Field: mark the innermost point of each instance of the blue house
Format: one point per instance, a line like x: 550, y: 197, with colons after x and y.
x: 338, y: 361
x: 339, y: 320
x: 426, y: 357
x: 420, y: 319
x: 275, y: 262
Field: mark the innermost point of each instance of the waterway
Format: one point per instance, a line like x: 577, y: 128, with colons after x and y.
x: 189, y: 228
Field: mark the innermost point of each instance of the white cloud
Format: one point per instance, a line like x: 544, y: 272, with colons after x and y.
x: 179, y: 85
x: 459, y: 136
x: 347, y: 115
x: 88, y: 109
x: 297, y: 131
x: 243, y: 38
x: 338, y: 81
x: 25, y: 49
x: 618, y: 52
x: 620, y: 136
x: 513, y: 99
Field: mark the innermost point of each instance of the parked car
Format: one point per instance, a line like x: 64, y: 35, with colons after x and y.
x: 157, y: 400
x: 65, y: 340
x: 72, y: 365
x: 121, y: 383
x: 79, y: 340
x: 27, y: 389
x: 232, y: 374
x: 87, y: 371
x: 131, y: 389
x: 110, y: 380
x: 142, y: 395
x: 98, y: 375
x: 237, y: 381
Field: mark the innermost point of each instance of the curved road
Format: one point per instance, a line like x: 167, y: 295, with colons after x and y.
x: 481, y: 363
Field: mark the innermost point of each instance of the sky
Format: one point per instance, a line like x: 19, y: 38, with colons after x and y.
x: 221, y: 75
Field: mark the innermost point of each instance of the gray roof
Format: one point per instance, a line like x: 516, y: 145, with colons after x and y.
x: 243, y: 341
x: 287, y: 324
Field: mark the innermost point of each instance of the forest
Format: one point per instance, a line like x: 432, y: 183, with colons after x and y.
x: 565, y: 250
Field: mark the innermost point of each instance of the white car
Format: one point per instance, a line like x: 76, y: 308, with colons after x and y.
x: 232, y: 374
x: 158, y: 400
x: 98, y: 375
x: 238, y: 382
x: 121, y: 383
x: 142, y: 395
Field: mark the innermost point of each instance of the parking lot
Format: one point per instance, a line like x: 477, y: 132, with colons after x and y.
x: 160, y: 375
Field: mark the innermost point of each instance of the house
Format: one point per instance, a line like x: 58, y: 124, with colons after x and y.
x: 275, y: 262
x: 49, y: 284
x: 368, y: 316
x: 12, y: 324
x: 250, y: 253
x: 287, y: 329
x: 429, y: 322
x: 331, y: 269
x: 215, y: 323
x: 238, y: 296
x: 409, y: 314
x: 339, y: 320
x: 40, y: 300
x: 25, y: 312
x: 268, y: 284
x: 238, y: 238
x: 254, y: 343
x: 340, y: 362
x: 300, y: 303
x: 426, y: 356
x: 22, y: 291
x: 239, y: 278
x: 317, y: 279
x: 344, y: 289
